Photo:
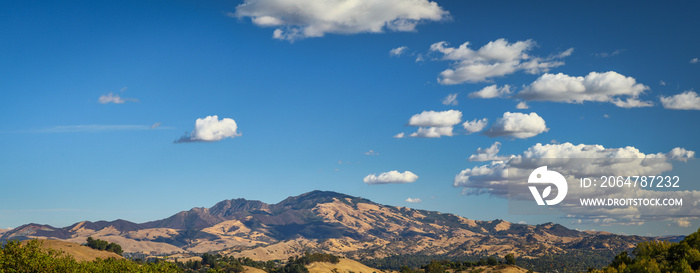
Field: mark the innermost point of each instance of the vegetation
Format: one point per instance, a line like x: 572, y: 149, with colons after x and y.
x: 659, y: 256
x: 33, y: 257
x: 217, y: 263
x: 104, y: 245
x: 572, y: 261
x: 298, y: 265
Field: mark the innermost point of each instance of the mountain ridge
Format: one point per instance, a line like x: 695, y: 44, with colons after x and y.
x: 330, y: 222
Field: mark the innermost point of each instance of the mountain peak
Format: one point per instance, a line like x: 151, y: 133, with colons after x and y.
x: 311, y: 199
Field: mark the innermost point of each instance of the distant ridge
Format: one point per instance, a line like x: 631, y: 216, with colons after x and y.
x: 331, y: 222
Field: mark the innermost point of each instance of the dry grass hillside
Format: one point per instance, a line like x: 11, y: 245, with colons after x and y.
x: 344, y: 266
x: 501, y: 269
x: 248, y: 269
x: 79, y: 252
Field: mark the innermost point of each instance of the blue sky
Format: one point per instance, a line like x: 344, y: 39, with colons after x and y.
x: 310, y: 93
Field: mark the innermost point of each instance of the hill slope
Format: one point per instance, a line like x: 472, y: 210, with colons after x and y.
x: 79, y: 252
x: 321, y: 221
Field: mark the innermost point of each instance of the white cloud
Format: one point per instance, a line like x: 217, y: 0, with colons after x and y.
x: 687, y: 100
x: 681, y: 222
x: 371, y: 152
x: 694, y: 61
x: 495, y: 59
x: 565, y: 53
x: 680, y: 154
x: 450, y: 99
x: 114, y: 98
x: 522, y: 105
x: 601, y: 87
x: 211, y: 129
x: 92, y: 128
x: 436, y: 119
x: 662, y: 83
x: 155, y: 125
x: 631, y: 103
x: 413, y: 200
x: 433, y: 132
x: 391, y: 177
x: 517, y: 125
x: 433, y: 124
x: 419, y: 58
x: 488, y: 154
x: 297, y: 19
x: 492, y: 91
x: 398, y: 51
x: 476, y: 125
x: 507, y: 176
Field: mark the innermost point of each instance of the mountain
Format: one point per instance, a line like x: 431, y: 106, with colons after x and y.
x: 328, y: 222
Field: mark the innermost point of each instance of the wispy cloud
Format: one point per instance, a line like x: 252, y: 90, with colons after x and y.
x: 41, y: 210
x: 413, y: 200
x: 395, y: 52
x: 450, y: 99
x: 371, y: 152
x: 115, y: 98
x: 608, y: 54
x: 495, y: 59
x: 92, y: 128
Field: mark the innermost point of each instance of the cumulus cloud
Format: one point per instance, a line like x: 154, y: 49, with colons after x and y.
x: 631, y: 103
x: 297, y: 19
x: 114, y: 98
x: 211, y: 129
x: 433, y: 132
x: 433, y: 124
x: 507, y: 176
x: 522, y: 105
x: 476, y: 125
x: 488, y: 154
x: 436, y: 119
x: 495, y: 59
x: 492, y: 91
x: 400, y: 135
x: 517, y: 125
x: 694, y: 61
x: 681, y: 222
x: 687, y: 100
x: 609, y: 87
x: 413, y: 200
x: 450, y: 99
x: 391, y: 177
x: 398, y: 51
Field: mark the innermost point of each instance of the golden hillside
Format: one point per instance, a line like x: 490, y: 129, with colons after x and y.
x: 344, y: 266
x: 79, y: 252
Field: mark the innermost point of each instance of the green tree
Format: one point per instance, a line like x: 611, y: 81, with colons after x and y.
x: 510, y: 259
x: 434, y: 267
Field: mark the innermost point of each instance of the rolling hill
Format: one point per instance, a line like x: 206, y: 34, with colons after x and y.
x: 330, y: 222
